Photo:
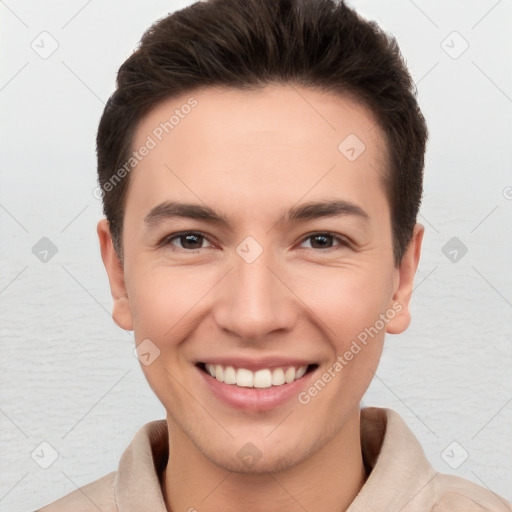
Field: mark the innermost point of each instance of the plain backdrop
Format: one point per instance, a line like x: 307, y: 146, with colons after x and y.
x: 68, y: 376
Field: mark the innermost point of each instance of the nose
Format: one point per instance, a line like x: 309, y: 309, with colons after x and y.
x: 255, y: 300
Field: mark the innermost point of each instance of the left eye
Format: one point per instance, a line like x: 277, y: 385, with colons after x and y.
x: 324, y: 241
x: 188, y: 240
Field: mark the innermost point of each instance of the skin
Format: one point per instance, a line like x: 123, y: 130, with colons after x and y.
x: 253, y: 155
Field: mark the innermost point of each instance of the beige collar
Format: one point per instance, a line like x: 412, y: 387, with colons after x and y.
x: 389, y: 449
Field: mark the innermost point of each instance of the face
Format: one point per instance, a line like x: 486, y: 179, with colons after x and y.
x: 258, y: 251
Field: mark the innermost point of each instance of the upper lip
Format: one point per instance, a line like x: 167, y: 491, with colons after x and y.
x: 255, y: 364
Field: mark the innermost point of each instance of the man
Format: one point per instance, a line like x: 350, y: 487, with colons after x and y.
x: 261, y: 170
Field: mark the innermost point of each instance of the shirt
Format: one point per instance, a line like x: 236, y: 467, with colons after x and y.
x: 401, y: 479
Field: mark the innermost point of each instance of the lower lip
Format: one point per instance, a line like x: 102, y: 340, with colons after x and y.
x: 255, y: 399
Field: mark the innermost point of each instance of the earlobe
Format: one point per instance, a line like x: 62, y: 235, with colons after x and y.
x: 121, y: 312
x: 406, y: 273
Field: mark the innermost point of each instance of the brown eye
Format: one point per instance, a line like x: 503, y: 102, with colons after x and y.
x: 324, y: 241
x: 188, y: 240
x: 321, y: 241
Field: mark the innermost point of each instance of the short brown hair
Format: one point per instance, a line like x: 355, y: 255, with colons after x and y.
x: 250, y: 44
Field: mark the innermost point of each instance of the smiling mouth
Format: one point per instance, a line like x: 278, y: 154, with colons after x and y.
x: 259, y: 379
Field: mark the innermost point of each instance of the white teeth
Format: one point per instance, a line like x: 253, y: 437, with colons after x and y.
x: 244, y: 378
x: 264, y: 378
x: 219, y: 373
x: 230, y: 375
x: 278, y: 377
x: 289, y: 375
x: 301, y: 370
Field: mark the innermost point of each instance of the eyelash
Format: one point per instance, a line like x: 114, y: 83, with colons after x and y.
x: 342, y: 242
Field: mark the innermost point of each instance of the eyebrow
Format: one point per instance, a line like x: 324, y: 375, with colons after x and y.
x: 315, y: 210
x: 307, y: 211
x: 170, y: 209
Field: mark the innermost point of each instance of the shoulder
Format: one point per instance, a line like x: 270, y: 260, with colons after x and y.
x: 455, y: 493
x: 136, y: 480
x: 402, y: 478
x: 98, y: 495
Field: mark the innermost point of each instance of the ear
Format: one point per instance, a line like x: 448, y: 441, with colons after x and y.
x: 121, y: 312
x: 404, y: 283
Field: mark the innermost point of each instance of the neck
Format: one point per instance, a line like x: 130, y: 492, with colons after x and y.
x: 326, y: 481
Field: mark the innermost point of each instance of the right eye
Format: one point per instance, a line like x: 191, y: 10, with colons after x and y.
x: 189, y: 241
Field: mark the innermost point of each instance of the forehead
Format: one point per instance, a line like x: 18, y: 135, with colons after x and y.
x: 275, y: 144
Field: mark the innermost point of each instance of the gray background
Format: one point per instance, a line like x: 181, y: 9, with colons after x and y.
x: 68, y: 375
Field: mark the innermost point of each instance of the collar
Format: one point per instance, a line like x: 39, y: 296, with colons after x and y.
x: 399, y: 469
x: 390, y: 451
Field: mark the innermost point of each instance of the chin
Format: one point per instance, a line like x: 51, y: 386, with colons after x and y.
x: 258, y: 455
x: 260, y: 464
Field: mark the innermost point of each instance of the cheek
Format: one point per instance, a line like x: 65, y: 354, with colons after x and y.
x: 163, y: 299
x: 164, y: 302
x: 347, y: 300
